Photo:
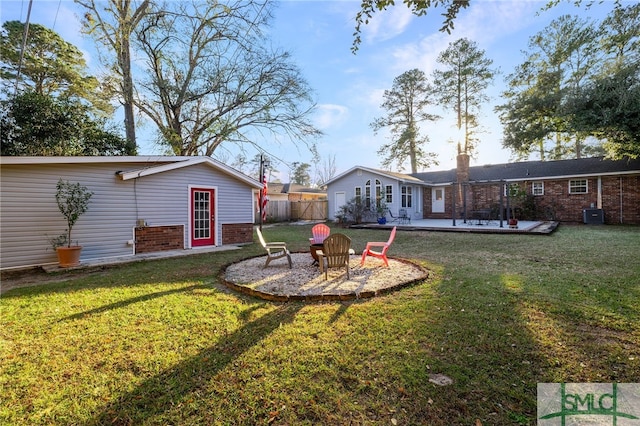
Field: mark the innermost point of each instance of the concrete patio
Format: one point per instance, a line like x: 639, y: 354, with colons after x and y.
x: 470, y: 225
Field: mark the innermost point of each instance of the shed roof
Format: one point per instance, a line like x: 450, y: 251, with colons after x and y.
x: 154, y: 164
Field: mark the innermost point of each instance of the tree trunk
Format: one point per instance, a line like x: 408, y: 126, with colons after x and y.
x: 127, y: 90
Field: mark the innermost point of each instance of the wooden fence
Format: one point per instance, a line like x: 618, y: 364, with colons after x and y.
x: 309, y: 210
x: 284, y: 211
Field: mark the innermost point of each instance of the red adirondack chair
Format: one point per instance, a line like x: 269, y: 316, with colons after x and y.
x: 380, y: 254
x: 320, y: 232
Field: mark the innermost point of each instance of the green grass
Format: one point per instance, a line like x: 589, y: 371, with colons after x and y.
x: 163, y: 342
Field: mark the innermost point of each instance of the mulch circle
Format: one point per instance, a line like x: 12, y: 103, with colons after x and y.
x: 304, y: 282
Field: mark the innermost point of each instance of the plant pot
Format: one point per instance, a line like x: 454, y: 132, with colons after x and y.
x: 68, y: 256
x: 513, y: 223
x: 382, y: 220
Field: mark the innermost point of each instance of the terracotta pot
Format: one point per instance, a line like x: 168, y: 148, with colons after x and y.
x: 68, y: 256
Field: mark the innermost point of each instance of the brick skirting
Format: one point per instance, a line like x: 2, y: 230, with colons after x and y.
x: 150, y: 239
x: 237, y: 233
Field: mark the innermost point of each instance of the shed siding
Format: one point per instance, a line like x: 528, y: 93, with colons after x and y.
x: 29, y: 214
x: 163, y: 198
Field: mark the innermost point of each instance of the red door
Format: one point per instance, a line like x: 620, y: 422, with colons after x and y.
x: 202, y: 217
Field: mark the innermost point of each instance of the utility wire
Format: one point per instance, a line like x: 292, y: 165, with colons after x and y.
x: 22, y: 48
x: 55, y: 19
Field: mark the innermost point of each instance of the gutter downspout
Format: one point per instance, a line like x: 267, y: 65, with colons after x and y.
x: 621, y: 199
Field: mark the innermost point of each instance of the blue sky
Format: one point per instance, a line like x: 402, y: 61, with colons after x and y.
x: 348, y: 88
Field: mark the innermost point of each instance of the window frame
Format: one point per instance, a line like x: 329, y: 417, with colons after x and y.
x: 575, y: 184
x: 406, y: 196
x: 537, y: 188
x: 367, y: 194
x: 511, y: 189
x: 388, y: 194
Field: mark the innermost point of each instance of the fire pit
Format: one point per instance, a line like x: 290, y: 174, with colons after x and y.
x: 313, y: 248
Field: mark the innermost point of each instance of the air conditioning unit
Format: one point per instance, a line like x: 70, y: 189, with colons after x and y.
x: 593, y: 216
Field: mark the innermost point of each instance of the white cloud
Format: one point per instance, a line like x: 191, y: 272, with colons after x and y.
x: 387, y: 24
x: 487, y: 21
x: 330, y: 115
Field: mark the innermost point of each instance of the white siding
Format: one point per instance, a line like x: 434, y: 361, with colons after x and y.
x: 358, y: 178
x: 29, y: 214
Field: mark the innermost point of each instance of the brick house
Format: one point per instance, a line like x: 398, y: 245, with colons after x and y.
x: 561, y: 190
x: 593, y: 189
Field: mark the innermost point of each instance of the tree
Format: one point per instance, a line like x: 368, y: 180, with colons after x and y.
x: 620, y: 32
x: 253, y: 166
x: 325, y: 171
x: 562, y: 58
x: 530, y: 112
x: 50, y: 66
x: 300, y: 173
x: 406, y: 105
x: 418, y: 8
x: 462, y: 84
x: 40, y: 125
x: 609, y: 108
x: 112, y: 25
x: 218, y: 82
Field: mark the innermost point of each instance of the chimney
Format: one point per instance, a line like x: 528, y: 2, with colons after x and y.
x: 462, y: 176
x: 462, y: 170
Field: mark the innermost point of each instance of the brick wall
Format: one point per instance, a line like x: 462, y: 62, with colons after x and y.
x: 620, y: 199
x: 151, y: 239
x: 237, y: 233
x: 427, y: 202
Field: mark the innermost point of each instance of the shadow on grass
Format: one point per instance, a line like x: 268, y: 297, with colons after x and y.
x: 472, y: 332
x: 125, y: 303
x: 164, y: 391
x: 499, y: 335
x: 339, y: 312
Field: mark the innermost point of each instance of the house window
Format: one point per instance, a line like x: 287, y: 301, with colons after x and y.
x: 578, y: 186
x: 358, y: 193
x: 388, y: 194
x: 367, y: 194
x: 407, y: 196
x: 378, y: 193
x: 537, y: 188
x: 511, y: 189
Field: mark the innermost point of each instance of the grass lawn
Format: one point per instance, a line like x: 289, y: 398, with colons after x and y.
x: 163, y: 342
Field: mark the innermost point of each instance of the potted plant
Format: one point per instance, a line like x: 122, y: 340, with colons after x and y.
x: 73, y: 202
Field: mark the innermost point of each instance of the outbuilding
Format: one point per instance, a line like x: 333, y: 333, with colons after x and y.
x: 140, y: 204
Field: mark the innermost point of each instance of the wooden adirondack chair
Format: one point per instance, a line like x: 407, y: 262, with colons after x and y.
x: 336, y: 250
x: 275, y: 250
x: 380, y: 254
